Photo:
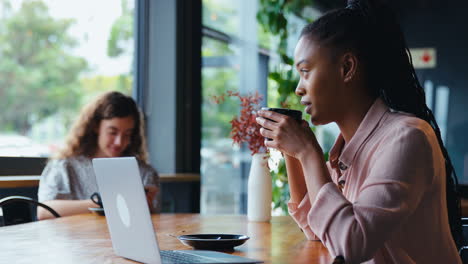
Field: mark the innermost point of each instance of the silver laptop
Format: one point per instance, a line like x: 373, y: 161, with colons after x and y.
x: 129, y: 219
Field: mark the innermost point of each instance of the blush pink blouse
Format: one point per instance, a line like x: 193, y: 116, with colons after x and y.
x: 387, y: 202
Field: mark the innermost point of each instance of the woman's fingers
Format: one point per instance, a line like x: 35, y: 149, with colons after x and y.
x: 284, y: 133
x: 265, y: 123
x: 275, y: 117
x: 266, y: 133
x: 151, y: 192
x: 151, y: 189
x: 272, y: 120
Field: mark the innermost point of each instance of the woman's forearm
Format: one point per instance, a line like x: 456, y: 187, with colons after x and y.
x: 65, y: 207
x: 297, y: 185
x: 316, y: 173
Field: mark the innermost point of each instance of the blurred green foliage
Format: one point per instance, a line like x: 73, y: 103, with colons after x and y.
x: 280, y: 187
x: 38, y: 74
x: 121, y: 34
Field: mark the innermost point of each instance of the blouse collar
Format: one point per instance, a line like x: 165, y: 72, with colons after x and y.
x: 343, y: 157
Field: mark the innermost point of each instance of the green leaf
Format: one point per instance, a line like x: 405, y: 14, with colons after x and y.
x: 275, y: 76
x: 286, y: 59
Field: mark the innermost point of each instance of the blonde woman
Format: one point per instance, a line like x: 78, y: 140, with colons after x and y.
x: 110, y: 126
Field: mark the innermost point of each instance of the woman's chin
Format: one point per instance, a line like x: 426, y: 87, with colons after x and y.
x: 317, y: 121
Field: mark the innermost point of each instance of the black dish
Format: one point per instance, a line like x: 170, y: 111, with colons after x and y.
x: 213, y: 241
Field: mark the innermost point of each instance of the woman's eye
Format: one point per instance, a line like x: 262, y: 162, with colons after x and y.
x: 304, y: 71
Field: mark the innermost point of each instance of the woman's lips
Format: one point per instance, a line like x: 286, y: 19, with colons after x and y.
x: 116, y: 150
x: 308, y: 108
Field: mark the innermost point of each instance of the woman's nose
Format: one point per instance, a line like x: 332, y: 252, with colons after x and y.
x: 118, y: 140
x: 300, y: 91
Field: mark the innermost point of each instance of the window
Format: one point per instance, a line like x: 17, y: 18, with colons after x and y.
x: 56, y: 56
x: 239, y: 55
x: 229, y: 62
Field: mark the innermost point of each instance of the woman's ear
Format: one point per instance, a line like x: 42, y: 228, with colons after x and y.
x: 349, y: 65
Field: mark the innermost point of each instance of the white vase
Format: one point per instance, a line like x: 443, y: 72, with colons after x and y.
x: 259, y: 190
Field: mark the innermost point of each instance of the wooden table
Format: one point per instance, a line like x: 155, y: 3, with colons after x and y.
x: 85, y: 239
x: 18, y: 181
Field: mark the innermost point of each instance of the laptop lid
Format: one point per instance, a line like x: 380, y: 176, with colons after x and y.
x: 126, y: 208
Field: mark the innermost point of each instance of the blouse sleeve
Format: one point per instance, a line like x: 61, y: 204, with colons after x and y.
x: 54, y: 183
x: 393, y: 189
x: 151, y: 177
x: 299, y: 213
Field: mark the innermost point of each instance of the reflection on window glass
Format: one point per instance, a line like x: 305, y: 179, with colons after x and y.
x: 220, y: 165
x: 212, y: 48
x: 221, y: 15
x: 229, y: 64
x: 441, y: 109
x: 55, y: 56
x: 429, y: 90
x: 239, y: 66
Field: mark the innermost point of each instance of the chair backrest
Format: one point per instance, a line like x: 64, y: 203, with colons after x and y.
x: 463, y: 251
x: 464, y: 254
x: 17, y: 210
x: 338, y: 260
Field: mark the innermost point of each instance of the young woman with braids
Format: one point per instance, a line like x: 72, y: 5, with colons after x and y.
x: 110, y: 126
x: 387, y: 194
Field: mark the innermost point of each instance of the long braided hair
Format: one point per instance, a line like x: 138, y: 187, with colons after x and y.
x: 371, y: 31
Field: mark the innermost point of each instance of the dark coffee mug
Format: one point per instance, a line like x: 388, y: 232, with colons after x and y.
x: 96, y: 198
x: 296, y: 114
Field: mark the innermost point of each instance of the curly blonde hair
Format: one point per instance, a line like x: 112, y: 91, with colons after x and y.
x: 82, y: 139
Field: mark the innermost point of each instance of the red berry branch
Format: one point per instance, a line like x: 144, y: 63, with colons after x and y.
x: 244, y: 128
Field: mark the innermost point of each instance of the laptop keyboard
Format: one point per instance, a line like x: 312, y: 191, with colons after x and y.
x: 169, y: 256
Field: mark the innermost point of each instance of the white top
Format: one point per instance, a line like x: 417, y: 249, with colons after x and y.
x: 74, y: 179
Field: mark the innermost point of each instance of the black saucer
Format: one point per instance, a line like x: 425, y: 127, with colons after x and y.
x: 213, y: 241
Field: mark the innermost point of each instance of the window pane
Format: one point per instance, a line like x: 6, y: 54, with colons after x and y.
x: 56, y: 56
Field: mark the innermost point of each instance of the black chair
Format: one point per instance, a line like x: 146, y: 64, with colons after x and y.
x: 464, y: 254
x: 464, y: 250
x: 21, y: 209
x: 339, y: 260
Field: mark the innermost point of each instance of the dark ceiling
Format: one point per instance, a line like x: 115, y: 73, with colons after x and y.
x: 325, y: 5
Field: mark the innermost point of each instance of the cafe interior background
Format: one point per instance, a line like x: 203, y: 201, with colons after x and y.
x: 173, y: 57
